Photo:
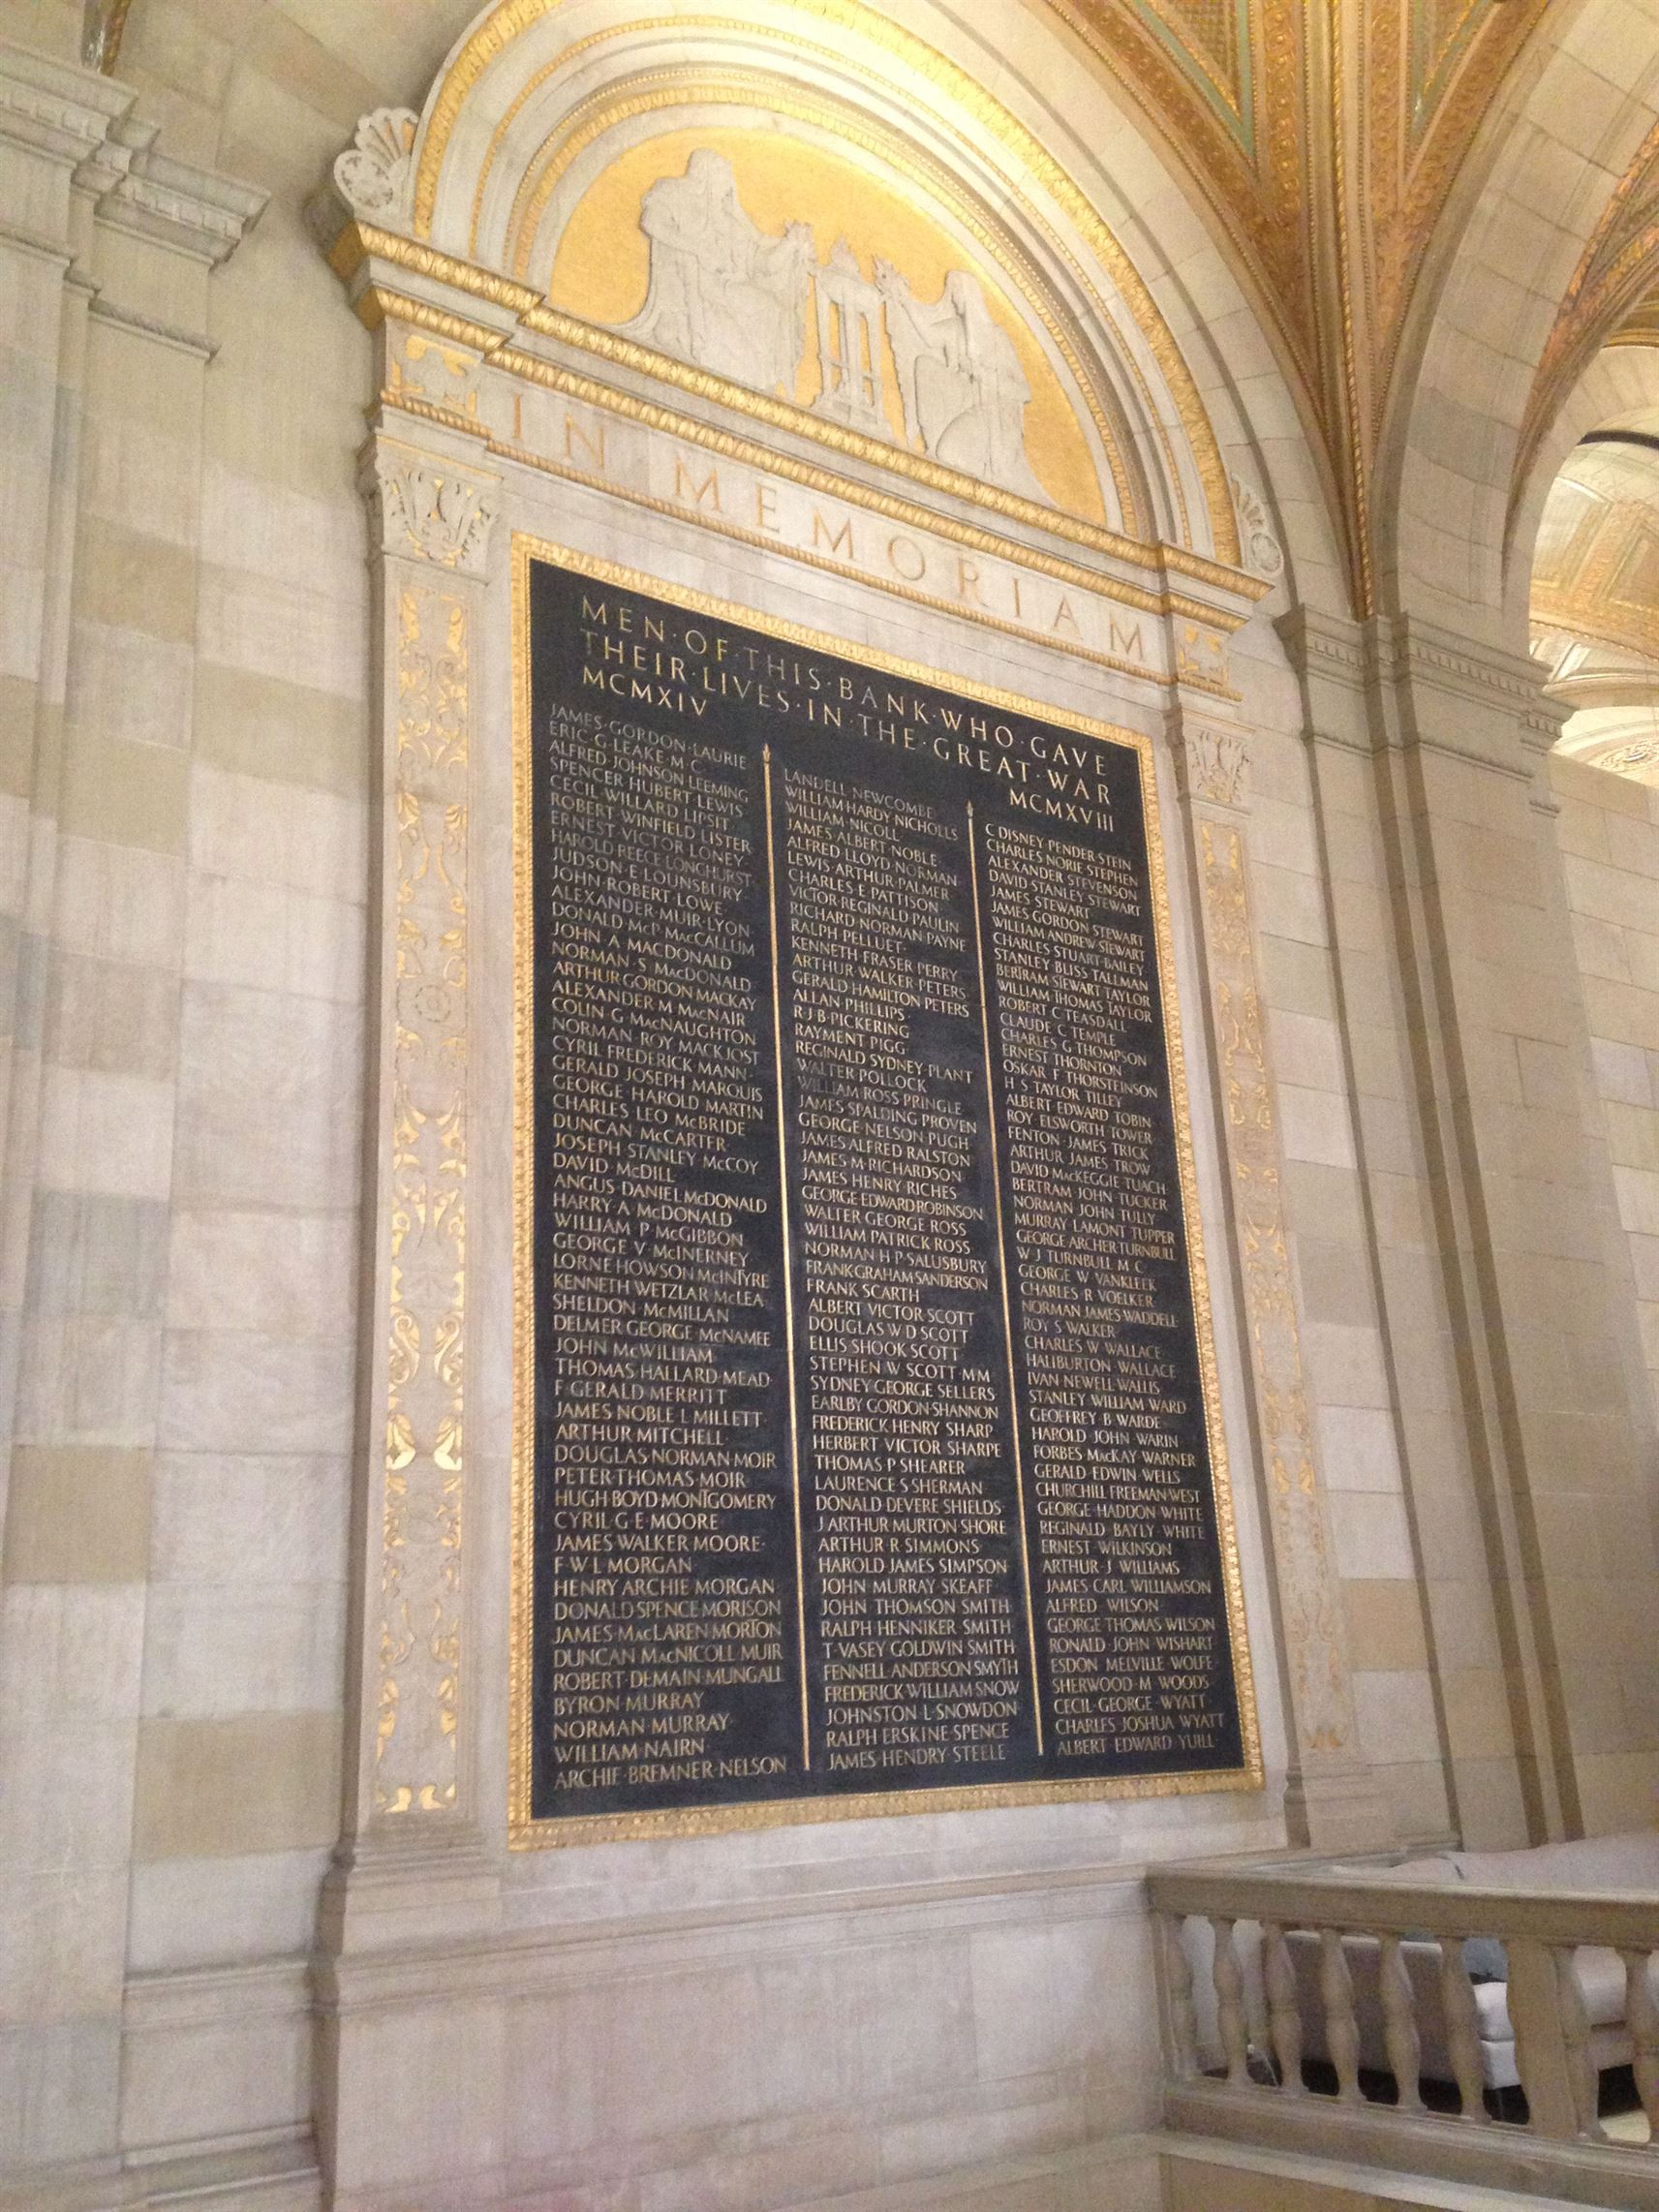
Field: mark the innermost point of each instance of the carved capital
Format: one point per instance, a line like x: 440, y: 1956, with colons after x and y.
x: 1213, y: 764
x: 376, y: 174
x: 429, y: 509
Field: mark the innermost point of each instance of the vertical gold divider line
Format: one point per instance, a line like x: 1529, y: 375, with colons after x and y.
x: 789, y: 1261
x: 1003, y: 1266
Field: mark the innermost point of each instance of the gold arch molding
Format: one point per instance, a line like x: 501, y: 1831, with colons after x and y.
x: 1033, y: 172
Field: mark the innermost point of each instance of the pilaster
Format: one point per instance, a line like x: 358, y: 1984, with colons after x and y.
x: 99, y: 596
x: 413, y: 1852
x: 1332, y: 1802
x: 1519, y: 1421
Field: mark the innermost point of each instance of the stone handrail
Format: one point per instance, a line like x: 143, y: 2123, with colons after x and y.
x: 1258, y: 1962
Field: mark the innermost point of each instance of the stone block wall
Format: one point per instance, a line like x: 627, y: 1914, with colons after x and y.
x: 1609, y: 830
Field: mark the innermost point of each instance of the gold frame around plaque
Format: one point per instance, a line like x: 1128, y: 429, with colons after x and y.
x: 527, y: 1834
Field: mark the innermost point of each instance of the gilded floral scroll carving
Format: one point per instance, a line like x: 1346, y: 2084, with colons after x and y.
x: 1322, y: 1701
x: 417, y: 1750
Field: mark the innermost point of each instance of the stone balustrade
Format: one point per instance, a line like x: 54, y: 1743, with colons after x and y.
x: 1503, y: 2037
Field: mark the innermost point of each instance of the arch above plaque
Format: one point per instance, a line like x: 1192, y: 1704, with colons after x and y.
x: 869, y: 253
x: 794, y: 314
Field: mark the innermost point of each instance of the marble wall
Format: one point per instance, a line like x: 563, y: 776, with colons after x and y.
x: 1609, y: 830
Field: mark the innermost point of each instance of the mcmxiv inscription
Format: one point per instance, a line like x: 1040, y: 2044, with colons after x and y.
x: 867, y: 1441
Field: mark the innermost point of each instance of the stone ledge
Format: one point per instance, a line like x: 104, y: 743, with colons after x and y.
x: 521, y: 1961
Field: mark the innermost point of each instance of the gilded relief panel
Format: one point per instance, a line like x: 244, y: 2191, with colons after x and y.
x: 773, y: 262
x: 420, y: 1629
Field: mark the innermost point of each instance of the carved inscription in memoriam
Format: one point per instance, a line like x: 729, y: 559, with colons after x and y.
x: 866, y: 1443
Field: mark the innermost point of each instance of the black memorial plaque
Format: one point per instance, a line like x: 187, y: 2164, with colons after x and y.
x: 866, y: 1428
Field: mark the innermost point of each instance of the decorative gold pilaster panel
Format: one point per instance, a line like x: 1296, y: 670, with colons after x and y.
x: 1321, y: 1698
x: 1331, y: 1800
x: 417, y: 1701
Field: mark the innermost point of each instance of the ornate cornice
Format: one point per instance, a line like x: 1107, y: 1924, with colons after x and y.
x: 367, y: 256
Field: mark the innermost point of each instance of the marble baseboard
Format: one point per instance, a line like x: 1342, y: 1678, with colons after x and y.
x: 778, y: 2054
x: 272, y: 2174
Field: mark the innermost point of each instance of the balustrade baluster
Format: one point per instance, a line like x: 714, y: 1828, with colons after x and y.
x: 1229, y: 2005
x: 1576, y: 2032
x: 1642, y: 2017
x: 1180, y: 2011
x: 1541, y: 2050
x: 1283, y: 2012
x: 1463, y: 2030
x: 1341, y: 2029
x: 1399, y: 2025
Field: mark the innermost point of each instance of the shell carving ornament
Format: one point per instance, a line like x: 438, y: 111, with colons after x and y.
x: 376, y: 174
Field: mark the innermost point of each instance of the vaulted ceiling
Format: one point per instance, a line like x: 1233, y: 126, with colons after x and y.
x: 1326, y: 136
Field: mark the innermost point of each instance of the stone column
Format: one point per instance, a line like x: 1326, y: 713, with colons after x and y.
x: 1332, y: 1802
x: 107, y: 280
x: 1521, y: 1190
x: 1458, y: 1626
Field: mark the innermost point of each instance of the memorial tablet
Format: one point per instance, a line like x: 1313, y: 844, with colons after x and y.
x: 867, y: 1450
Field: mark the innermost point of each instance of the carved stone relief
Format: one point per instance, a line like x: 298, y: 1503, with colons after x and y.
x: 438, y: 512
x: 726, y: 296
x: 1215, y: 764
x: 418, y: 1640
x: 1264, y: 556
x: 1322, y: 1701
x: 376, y: 174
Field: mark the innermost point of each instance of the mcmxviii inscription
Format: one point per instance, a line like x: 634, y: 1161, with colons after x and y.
x: 867, y: 1445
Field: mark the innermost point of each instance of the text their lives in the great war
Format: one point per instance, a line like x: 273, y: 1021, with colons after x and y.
x: 870, y: 1450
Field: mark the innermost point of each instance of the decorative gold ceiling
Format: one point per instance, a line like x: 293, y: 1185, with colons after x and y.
x: 1326, y: 136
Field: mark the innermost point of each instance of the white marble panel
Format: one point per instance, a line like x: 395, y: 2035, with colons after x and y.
x: 1314, y: 1125
x: 208, y: 1912
x: 61, y: 1938
x: 252, y: 622
x: 262, y: 831
x: 105, y: 1132
x: 140, y: 476
x: 270, y: 936
x: 130, y: 686
x: 87, y: 1379
x: 268, y: 1099
x: 231, y: 1523
x: 234, y: 1390
x: 282, y: 1274
x: 213, y: 1653
x: 1372, y: 1537
x: 21, y: 608
x: 250, y: 523
x: 59, y: 2086
x: 215, y: 2054
x: 120, y: 902
x: 1397, y: 1717
x: 1361, y: 1451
